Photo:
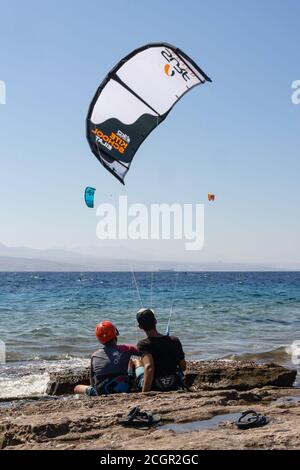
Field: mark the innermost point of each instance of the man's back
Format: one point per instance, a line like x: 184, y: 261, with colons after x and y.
x: 112, y: 359
x: 166, y: 351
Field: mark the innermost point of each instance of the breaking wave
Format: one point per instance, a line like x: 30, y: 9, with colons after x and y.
x: 280, y: 355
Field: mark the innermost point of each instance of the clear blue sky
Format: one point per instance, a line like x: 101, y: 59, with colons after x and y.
x: 244, y: 131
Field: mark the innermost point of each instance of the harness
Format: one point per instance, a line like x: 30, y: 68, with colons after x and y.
x: 168, y: 383
x: 114, y: 383
x: 110, y: 383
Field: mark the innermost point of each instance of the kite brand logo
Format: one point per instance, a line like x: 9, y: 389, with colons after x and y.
x: 114, y: 140
x: 167, y: 70
x: 123, y: 136
x: 154, y: 222
x: 174, y: 66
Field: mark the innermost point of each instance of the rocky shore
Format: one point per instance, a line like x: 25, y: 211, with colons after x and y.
x: 200, y: 375
x: 199, y: 419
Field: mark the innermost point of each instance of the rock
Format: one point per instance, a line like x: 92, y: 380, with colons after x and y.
x: 2, y: 441
x: 238, y: 375
x: 63, y: 383
x: 200, y: 375
x: 84, y: 423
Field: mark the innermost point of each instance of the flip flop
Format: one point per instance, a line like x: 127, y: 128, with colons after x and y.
x: 251, y: 419
x: 138, y: 418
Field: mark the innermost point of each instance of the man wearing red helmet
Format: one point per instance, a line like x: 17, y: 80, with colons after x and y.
x: 109, y: 364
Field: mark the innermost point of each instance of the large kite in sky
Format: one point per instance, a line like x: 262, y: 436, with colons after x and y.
x: 134, y: 98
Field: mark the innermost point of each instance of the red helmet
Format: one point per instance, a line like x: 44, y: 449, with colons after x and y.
x: 106, y: 331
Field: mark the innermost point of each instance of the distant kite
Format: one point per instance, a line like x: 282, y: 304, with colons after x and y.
x: 89, y: 196
x: 134, y: 98
x: 211, y: 197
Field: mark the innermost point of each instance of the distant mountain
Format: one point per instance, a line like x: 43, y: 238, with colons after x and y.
x: 30, y: 259
x: 25, y: 264
x: 33, y: 253
x: 35, y: 264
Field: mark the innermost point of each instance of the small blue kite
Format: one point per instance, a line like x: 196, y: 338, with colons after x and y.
x: 89, y: 196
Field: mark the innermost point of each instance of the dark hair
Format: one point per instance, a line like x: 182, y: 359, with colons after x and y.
x: 146, y: 319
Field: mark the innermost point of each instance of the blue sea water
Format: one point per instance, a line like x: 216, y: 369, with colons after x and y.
x: 47, y: 320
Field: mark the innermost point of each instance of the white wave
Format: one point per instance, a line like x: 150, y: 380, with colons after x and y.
x: 31, y: 379
x: 23, y: 386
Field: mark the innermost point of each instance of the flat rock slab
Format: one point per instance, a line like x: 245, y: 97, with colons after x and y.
x: 239, y: 375
x: 92, y: 423
x: 200, y: 375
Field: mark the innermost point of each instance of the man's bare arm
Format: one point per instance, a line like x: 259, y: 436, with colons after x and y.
x: 148, y: 364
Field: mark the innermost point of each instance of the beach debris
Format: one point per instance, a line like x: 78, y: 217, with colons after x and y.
x: 134, y: 98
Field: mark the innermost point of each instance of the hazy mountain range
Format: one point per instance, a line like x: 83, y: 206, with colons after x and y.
x: 30, y: 259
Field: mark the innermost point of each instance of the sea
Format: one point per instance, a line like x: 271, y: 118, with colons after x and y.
x: 47, y: 320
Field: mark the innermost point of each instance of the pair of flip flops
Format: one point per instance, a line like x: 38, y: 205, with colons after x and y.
x: 138, y: 418
x: 251, y: 419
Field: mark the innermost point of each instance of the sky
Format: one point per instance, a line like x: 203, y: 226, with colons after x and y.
x: 243, y: 130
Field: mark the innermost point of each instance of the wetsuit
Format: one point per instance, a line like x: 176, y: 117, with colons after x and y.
x: 109, y: 369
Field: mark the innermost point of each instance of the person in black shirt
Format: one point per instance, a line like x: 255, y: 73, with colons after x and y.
x: 162, y: 357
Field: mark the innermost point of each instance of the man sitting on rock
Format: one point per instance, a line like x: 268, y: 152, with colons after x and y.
x: 109, y: 364
x: 162, y: 358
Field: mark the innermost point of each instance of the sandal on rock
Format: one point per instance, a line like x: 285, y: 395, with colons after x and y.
x: 251, y: 419
x: 138, y: 418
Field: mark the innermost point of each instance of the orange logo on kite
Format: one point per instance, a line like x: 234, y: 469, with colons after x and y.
x: 167, y: 70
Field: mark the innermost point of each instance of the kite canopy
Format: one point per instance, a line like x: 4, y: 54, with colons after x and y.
x: 89, y: 196
x: 134, y: 98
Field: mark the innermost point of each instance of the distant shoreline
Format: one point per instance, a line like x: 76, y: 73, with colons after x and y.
x: 149, y: 269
